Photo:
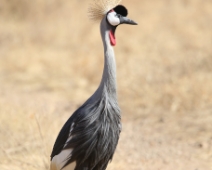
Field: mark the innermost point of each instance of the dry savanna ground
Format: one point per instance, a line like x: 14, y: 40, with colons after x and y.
x: 51, y: 60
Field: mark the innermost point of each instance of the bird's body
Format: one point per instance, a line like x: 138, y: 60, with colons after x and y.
x: 89, y: 138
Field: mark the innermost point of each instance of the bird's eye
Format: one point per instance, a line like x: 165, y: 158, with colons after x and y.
x: 113, y: 18
x: 118, y: 15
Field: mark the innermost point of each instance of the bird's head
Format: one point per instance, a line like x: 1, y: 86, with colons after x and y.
x: 118, y: 15
x: 115, y: 17
x: 111, y: 14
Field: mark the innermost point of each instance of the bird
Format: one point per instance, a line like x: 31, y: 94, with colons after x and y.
x: 88, y: 139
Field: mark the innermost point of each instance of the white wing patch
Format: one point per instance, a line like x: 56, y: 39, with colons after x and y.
x: 59, y: 160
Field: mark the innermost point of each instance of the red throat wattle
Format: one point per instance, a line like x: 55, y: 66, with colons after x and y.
x: 112, y: 38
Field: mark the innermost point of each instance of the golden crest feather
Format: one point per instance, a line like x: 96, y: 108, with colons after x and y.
x: 98, y: 8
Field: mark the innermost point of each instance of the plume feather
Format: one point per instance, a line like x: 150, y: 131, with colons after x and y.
x: 98, y: 8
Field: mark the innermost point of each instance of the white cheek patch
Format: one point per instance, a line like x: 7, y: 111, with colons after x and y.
x: 113, y: 19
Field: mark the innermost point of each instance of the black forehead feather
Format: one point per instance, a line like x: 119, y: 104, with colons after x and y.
x: 120, y: 9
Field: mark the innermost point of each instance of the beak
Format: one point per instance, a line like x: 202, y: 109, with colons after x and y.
x: 125, y: 20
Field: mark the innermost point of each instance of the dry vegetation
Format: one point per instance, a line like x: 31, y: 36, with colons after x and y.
x: 51, y: 60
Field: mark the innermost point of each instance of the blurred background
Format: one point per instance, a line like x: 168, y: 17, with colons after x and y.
x: 51, y: 61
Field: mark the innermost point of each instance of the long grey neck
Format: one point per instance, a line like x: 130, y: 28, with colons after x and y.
x: 107, y: 87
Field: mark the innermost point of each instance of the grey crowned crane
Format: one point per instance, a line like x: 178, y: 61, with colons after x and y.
x: 88, y: 139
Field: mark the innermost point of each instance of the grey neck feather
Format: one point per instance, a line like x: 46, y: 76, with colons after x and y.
x: 107, y: 87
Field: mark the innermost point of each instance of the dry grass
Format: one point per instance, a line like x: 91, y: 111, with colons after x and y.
x: 51, y: 61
